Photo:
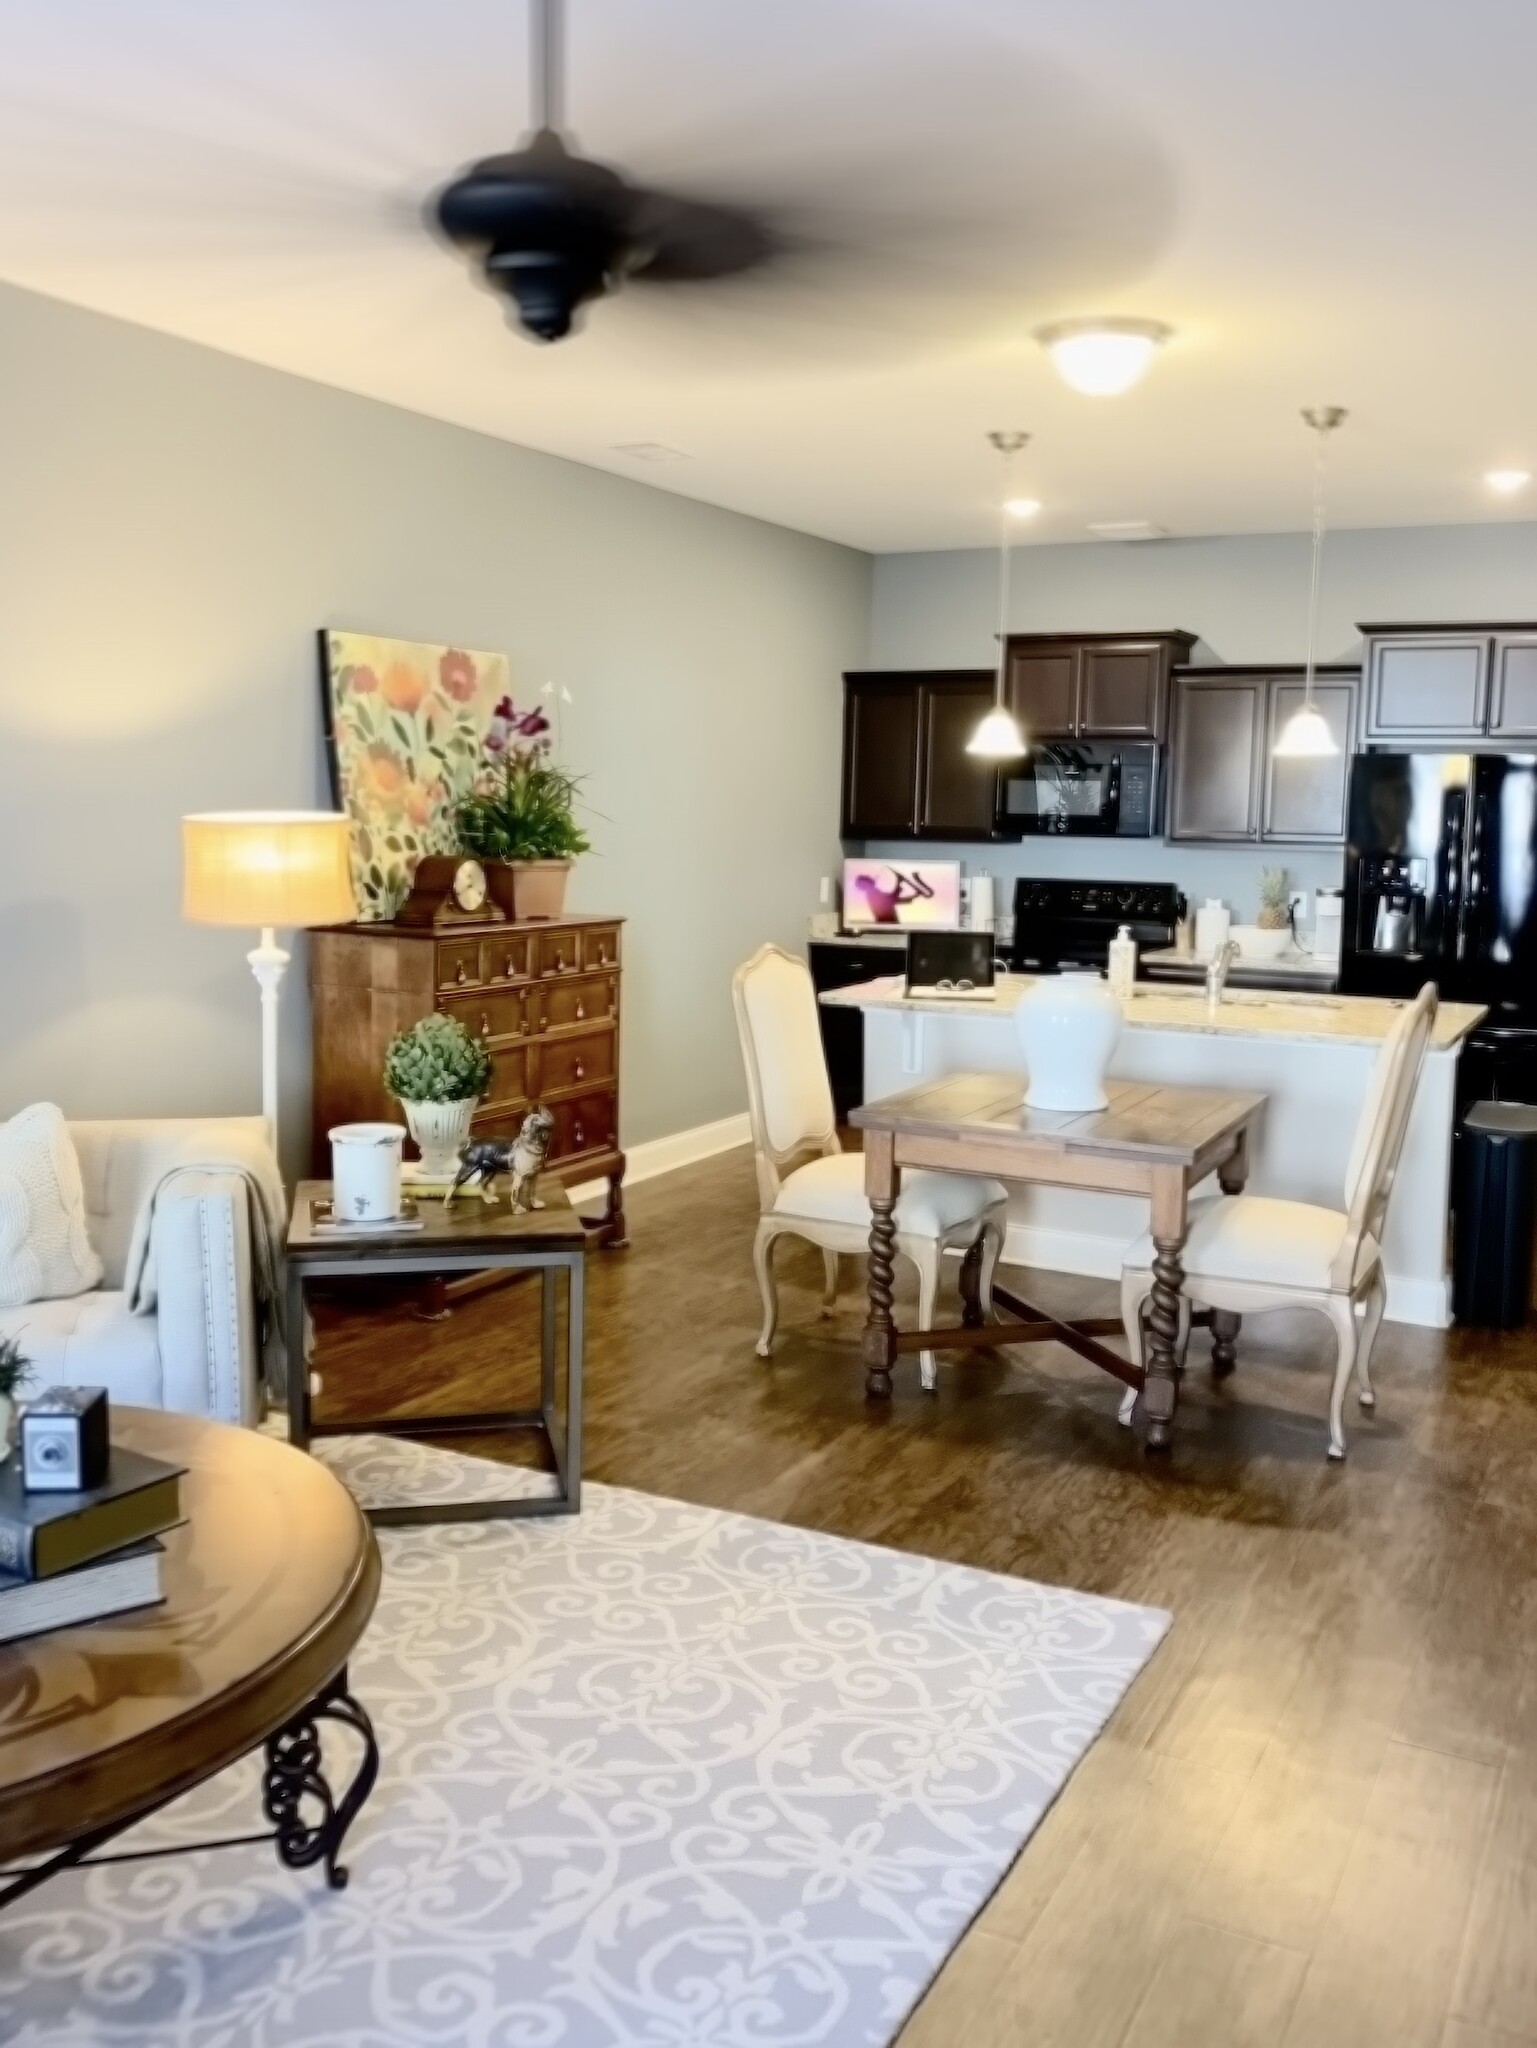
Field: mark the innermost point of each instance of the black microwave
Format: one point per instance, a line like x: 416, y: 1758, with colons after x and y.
x: 1078, y: 787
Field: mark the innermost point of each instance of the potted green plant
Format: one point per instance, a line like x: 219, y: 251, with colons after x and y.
x: 519, y: 819
x: 437, y: 1073
x: 15, y: 1373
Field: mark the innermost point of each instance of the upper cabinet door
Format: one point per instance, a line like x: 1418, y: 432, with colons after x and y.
x: 1513, y: 698
x: 1305, y: 800
x: 1043, y: 686
x: 1124, y: 691
x: 1219, y: 734
x: 880, y: 757
x: 1427, y: 686
x: 957, y: 793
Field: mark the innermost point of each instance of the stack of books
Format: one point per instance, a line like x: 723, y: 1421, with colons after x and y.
x: 67, y: 1558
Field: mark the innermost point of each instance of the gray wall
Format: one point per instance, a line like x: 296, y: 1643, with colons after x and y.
x: 174, y: 527
x: 1247, y: 599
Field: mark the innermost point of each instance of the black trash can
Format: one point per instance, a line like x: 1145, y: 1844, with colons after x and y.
x: 1496, y: 1187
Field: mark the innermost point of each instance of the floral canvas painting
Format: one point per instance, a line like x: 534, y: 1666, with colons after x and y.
x: 406, y: 724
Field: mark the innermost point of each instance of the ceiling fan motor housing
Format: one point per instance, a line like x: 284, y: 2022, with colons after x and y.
x: 551, y: 230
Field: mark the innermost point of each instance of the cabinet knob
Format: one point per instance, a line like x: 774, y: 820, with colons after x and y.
x: 485, y: 1025
x: 578, y: 1136
x: 460, y: 975
x: 579, y: 1071
x: 581, y: 1009
x: 508, y: 969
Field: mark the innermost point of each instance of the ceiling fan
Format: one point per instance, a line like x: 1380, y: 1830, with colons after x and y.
x: 553, y: 230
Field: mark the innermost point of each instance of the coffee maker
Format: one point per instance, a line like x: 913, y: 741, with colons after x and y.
x: 1390, y: 916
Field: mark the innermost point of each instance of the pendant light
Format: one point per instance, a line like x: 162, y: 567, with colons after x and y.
x: 1306, y: 734
x: 999, y: 736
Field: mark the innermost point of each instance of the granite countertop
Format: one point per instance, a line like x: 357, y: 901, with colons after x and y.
x: 1246, y: 1013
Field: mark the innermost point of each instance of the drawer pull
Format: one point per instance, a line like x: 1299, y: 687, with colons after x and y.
x: 579, y: 1071
x: 581, y: 1008
x: 460, y: 976
x: 578, y: 1136
x: 509, y: 970
x: 485, y: 1025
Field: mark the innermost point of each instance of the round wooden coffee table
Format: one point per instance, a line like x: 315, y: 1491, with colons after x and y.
x: 270, y: 1582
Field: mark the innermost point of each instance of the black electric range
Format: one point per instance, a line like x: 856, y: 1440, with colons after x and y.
x: 1061, y: 924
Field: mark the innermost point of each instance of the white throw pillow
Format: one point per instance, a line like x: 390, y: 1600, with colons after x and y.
x: 44, y: 1251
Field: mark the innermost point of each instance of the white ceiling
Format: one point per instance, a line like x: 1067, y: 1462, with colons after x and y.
x: 1330, y: 200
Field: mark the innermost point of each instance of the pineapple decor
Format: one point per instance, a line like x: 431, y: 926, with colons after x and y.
x: 1274, y: 906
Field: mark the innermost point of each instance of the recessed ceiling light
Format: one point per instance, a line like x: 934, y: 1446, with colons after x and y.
x: 1102, y: 357
x: 1021, y: 508
x: 1507, y: 481
x: 650, y: 451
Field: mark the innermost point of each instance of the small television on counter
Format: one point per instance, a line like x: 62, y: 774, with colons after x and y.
x: 901, y: 894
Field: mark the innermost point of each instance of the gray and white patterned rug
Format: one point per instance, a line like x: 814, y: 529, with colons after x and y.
x: 654, y: 1775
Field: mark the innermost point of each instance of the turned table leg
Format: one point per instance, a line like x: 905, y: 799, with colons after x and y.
x: 880, y: 1337
x: 971, y: 1286
x: 1225, y: 1325
x: 1160, y: 1392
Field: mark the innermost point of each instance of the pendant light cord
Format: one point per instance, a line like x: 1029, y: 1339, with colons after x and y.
x: 544, y: 29
x: 1323, y: 420
x: 1008, y: 446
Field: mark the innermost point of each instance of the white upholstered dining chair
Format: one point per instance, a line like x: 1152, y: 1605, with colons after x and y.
x: 1247, y: 1253
x: 808, y: 1186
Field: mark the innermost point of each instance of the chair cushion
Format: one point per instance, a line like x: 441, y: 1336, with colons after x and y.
x: 90, y: 1340
x: 47, y: 1252
x: 832, y: 1190
x: 1262, y: 1239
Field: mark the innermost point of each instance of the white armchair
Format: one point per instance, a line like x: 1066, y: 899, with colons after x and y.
x: 198, y: 1353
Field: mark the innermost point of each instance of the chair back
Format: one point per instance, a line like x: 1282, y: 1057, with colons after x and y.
x: 789, y: 1099
x: 1380, y: 1134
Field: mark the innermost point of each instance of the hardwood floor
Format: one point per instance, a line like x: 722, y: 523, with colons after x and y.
x: 1314, y: 1819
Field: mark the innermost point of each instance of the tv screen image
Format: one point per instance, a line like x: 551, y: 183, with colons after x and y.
x: 901, y: 893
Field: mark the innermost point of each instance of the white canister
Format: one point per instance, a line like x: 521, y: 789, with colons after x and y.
x: 1068, y: 1026
x: 982, y: 905
x: 1213, y: 923
x: 365, y: 1172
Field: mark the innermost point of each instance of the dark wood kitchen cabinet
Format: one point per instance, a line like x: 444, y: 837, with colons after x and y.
x: 906, y: 771
x: 1226, y: 784
x: 1093, y: 686
x: 1425, y: 684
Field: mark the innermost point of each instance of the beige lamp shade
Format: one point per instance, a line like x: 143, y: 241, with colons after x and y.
x: 261, y: 868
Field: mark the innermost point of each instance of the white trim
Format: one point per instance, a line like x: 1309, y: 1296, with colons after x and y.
x: 666, y: 1155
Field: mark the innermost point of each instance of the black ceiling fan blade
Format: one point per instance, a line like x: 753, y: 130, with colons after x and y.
x: 689, y: 241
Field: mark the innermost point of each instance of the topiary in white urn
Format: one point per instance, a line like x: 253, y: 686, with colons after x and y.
x: 437, y: 1073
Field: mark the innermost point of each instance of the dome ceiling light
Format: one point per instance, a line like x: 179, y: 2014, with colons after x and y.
x: 1102, y: 358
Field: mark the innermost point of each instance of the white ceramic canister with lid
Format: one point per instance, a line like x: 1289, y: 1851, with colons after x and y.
x: 1068, y: 1026
x: 365, y: 1172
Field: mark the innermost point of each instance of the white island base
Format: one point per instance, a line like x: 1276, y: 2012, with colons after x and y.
x: 1311, y: 1060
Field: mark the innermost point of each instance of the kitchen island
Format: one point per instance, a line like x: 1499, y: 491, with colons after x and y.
x: 1309, y: 1055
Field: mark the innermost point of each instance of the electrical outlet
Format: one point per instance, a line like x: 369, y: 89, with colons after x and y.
x: 825, y: 892
x: 1298, y: 901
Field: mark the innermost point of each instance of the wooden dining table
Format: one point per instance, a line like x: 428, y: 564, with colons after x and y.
x: 1152, y: 1139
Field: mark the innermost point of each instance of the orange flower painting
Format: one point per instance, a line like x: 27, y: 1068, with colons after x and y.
x: 406, y: 724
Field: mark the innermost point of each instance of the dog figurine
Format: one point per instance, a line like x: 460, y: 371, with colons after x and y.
x: 521, y: 1159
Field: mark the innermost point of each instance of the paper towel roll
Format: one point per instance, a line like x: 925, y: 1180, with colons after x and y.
x: 1213, y: 923
x: 981, y: 903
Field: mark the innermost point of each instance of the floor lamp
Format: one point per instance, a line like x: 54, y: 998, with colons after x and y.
x: 271, y: 871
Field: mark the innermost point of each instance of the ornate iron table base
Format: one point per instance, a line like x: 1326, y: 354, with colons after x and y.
x: 309, y: 1821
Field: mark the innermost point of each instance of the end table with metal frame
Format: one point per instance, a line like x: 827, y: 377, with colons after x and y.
x: 470, y: 1236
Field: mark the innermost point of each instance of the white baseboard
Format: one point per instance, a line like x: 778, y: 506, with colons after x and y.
x: 666, y: 1155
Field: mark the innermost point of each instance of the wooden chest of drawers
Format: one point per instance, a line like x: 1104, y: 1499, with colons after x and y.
x: 544, y: 997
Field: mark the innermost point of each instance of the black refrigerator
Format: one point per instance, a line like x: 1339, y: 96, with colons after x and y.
x: 1441, y: 885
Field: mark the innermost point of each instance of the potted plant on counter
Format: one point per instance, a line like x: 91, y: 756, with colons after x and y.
x: 519, y: 818
x: 437, y: 1073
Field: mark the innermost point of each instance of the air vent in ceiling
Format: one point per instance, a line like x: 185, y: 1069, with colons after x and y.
x: 1127, y: 529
